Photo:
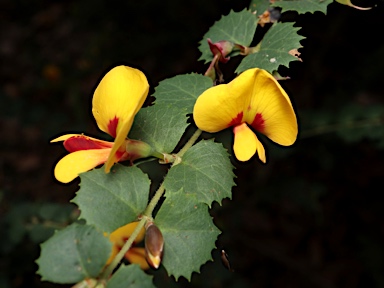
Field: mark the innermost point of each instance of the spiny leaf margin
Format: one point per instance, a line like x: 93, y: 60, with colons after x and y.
x: 189, y: 234
x: 73, y: 254
x: 274, y: 49
x: 303, y: 6
x: 205, y: 171
x: 112, y: 200
x: 236, y: 27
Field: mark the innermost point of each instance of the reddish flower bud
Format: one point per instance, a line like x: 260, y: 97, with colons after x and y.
x: 222, y: 48
x: 154, y: 244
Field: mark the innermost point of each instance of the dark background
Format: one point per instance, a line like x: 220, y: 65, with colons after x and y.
x: 311, y: 217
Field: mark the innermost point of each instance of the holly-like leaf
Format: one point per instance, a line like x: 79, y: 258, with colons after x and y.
x: 188, y: 231
x: 236, y: 27
x: 160, y: 126
x: 130, y: 276
x: 259, y: 6
x: 112, y: 200
x: 205, y: 171
x: 163, y: 124
x: 275, y: 49
x: 303, y: 6
x: 182, y: 91
x: 73, y: 254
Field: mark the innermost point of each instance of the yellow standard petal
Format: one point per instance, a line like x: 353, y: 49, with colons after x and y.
x: 221, y: 106
x: 270, y: 111
x: 121, y: 234
x: 118, y: 97
x: 246, y: 144
x: 69, y: 167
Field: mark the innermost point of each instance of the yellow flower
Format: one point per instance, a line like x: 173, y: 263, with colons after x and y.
x: 253, y: 101
x: 135, y: 255
x: 117, y: 99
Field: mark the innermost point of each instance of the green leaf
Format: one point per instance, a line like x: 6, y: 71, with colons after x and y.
x: 182, y: 91
x: 74, y: 253
x: 130, y: 276
x: 280, y: 39
x: 160, y: 126
x: 112, y: 200
x: 188, y: 231
x: 204, y: 171
x: 236, y: 27
x: 259, y: 6
x: 163, y: 124
x: 303, y: 6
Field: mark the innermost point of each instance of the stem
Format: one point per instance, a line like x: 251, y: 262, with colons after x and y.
x: 155, y: 199
x: 147, y: 213
x: 190, y: 142
x: 108, y: 271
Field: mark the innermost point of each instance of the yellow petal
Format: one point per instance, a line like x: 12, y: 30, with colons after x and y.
x: 246, y: 144
x: 119, y: 143
x: 65, y: 137
x: 121, y: 234
x: 270, y: 110
x: 136, y: 255
x: 69, y: 167
x: 118, y: 97
x: 222, y: 106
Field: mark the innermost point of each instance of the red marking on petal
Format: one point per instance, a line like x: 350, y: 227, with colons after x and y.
x: 237, y: 120
x: 77, y: 143
x: 258, y: 123
x: 112, y: 126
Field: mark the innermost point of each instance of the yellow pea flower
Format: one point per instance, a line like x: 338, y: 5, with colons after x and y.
x: 253, y: 101
x: 135, y: 255
x: 116, y: 101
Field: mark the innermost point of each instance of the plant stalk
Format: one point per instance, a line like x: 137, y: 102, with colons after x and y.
x: 147, y: 213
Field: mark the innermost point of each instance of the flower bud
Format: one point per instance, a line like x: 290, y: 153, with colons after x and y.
x: 154, y: 244
x: 223, y: 48
x: 138, y: 149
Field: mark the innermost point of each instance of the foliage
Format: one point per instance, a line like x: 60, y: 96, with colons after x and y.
x: 198, y: 176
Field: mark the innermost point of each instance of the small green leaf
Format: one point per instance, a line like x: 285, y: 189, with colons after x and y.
x: 74, y: 253
x: 160, y: 126
x: 182, y: 91
x: 280, y: 39
x: 204, y: 171
x: 163, y: 124
x: 236, y: 27
x: 259, y: 6
x: 112, y: 200
x: 130, y: 276
x: 188, y: 231
x: 303, y: 6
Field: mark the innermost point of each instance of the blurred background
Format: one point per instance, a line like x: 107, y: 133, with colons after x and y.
x: 311, y: 217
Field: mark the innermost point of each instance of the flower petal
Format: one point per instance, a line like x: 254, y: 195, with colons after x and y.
x: 64, y: 137
x: 119, y: 144
x: 246, y: 144
x: 118, y: 97
x: 136, y: 255
x: 121, y: 234
x: 220, y: 107
x: 69, y: 167
x: 270, y: 111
